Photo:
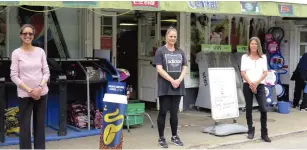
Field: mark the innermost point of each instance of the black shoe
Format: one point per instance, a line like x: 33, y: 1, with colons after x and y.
x: 176, y: 140
x: 251, y: 133
x: 265, y: 138
x: 162, y: 142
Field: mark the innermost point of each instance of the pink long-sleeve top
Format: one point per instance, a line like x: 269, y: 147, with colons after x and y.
x: 29, y: 68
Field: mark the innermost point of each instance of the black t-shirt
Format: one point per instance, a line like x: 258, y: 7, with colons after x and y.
x: 172, y: 62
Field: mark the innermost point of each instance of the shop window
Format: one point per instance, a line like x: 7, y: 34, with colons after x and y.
x: 106, y: 26
x: 63, y: 33
x: 199, y: 25
x: 219, y: 30
x: 303, y: 50
x: 303, y: 37
x: 106, y: 33
x: 200, y: 34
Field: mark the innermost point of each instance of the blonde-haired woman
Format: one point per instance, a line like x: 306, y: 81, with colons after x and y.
x: 254, y: 70
x: 171, y: 66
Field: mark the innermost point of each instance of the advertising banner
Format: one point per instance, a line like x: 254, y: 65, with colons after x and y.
x: 115, y: 101
x: 285, y: 10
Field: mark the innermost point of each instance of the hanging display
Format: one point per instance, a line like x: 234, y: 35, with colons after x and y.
x: 268, y: 95
x: 242, y: 32
x: 219, y: 33
x: 273, y: 47
x: 270, y: 82
x: 276, y: 61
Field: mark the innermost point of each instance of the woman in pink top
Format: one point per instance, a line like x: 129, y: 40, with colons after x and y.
x: 30, y: 72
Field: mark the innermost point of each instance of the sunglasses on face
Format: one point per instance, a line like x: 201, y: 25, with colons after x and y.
x: 25, y: 34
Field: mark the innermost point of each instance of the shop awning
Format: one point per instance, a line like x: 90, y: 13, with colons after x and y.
x: 262, y: 8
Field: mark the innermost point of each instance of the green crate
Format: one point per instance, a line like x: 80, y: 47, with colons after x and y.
x: 133, y: 101
x: 135, y: 108
x: 134, y: 120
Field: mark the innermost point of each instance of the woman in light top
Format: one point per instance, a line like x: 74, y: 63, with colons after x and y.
x: 254, y: 70
x: 30, y: 72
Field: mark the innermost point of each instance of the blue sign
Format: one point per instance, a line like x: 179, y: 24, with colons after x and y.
x: 203, y: 4
x: 116, y: 88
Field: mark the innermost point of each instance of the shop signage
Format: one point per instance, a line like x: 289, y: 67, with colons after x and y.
x: 285, y: 10
x: 106, y: 43
x: 203, y: 4
x: 80, y: 3
x: 215, y: 48
x: 115, y: 104
x: 249, y: 7
x: 154, y: 4
x: 9, y: 3
x: 242, y: 48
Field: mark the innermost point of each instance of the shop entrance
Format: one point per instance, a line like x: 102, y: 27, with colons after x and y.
x: 138, y: 35
x: 152, y: 27
x: 127, y: 48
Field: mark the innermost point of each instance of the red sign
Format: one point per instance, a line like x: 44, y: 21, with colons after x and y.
x: 284, y: 9
x: 154, y: 4
x: 106, y: 43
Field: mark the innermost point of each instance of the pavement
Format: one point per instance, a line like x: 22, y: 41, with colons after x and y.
x: 295, y: 141
x: 190, y: 128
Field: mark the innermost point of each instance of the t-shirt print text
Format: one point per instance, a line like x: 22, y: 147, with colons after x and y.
x: 173, y: 62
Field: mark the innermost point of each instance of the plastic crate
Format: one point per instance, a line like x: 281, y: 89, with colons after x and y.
x: 135, y: 120
x: 135, y: 108
x: 134, y: 112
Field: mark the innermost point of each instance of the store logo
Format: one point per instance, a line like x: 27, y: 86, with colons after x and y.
x: 203, y: 4
x: 174, y: 61
x: 154, y: 4
x: 116, y: 88
x: 249, y: 7
x: 285, y: 10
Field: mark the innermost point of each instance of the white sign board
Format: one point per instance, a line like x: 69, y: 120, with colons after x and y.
x: 223, y: 93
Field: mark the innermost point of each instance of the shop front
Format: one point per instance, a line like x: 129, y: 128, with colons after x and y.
x: 125, y: 36
x: 215, y: 32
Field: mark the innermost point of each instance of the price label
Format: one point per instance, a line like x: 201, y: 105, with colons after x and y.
x: 242, y: 49
x: 215, y: 48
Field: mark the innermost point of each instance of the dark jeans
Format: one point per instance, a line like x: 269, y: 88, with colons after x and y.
x: 260, y: 96
x: 304, y: 102
x: 298, y: 89
x: 168, y: 103
x: 26, y: 105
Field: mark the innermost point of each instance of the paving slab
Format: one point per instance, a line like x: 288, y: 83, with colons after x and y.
x: 190, y: 131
